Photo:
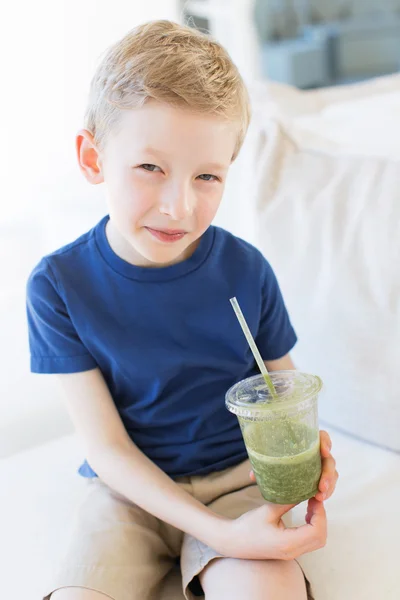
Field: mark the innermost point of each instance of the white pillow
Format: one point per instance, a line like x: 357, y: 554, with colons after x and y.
x: 330, y: 226
x: 368, y: 126
x: 362, y: 118
x: 279, y: 99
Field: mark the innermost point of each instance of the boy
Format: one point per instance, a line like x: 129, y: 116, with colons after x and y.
x: 134, y: 318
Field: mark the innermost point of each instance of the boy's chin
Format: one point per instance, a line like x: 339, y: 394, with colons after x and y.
x: 166, y: 257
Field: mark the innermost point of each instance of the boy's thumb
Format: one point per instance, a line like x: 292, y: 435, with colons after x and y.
x: 278, y: 510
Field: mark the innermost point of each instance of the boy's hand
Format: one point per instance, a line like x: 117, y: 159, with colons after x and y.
x: 329, y: 475
x: 261, y: 534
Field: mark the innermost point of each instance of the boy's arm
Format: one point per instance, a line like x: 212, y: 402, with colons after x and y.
x: 281, y: 364
x: 121, y: 465
x: 258, y: 534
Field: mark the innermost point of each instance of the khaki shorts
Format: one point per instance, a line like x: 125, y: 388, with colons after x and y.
x: 120, y: 550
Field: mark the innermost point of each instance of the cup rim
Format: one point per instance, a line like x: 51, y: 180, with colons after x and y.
x: 252, y: 410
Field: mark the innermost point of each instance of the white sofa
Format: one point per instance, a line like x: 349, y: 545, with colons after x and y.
x: 39, y: 453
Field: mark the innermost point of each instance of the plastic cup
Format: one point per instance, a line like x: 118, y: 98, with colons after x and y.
x: 281, y: 433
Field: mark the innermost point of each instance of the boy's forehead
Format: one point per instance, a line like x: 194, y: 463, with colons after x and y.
x: 161, y: 129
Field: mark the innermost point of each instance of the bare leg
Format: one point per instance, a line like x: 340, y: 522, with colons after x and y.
x: 75, y: 593
x: 259, y: 580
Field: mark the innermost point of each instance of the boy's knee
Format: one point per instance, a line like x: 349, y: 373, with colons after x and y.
x: 276, y: 578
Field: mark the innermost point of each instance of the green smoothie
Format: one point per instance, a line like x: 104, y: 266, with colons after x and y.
x: 285, y: 458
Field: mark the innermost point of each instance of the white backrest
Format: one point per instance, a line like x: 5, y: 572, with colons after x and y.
x: 329, y: 222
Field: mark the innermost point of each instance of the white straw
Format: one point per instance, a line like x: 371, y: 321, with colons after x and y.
x: 252, y: 344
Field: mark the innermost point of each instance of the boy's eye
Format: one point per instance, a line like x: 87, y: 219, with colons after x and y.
x: 153, y: 168
x: 149, y: 167
x: 207, y: 177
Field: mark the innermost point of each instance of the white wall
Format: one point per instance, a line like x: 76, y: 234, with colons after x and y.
x: 52, y: 51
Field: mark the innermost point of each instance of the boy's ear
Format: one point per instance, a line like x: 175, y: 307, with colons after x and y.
x: 88, y: 157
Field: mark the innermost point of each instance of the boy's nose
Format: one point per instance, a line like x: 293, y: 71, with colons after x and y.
x: 178, y: 204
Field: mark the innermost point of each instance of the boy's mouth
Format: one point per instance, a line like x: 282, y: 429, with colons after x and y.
x: 167, y: 235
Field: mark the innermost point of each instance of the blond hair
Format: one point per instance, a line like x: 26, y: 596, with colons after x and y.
x: 170, y: 63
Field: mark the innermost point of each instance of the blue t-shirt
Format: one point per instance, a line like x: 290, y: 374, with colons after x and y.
x: 165, y: 339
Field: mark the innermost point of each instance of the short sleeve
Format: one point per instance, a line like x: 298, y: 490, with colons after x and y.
x: 54, y: 343
x: 276, y: 336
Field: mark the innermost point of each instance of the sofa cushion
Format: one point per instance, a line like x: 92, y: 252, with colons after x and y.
x: 31, y: 409
x: 368, y: 126
x: 330, y: 226
x: 359, y: 560
x: 39, y: 492
x: 41, y: 489
x: 287, y: 102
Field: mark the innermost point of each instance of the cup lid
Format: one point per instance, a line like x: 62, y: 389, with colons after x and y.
x: 251, y: 397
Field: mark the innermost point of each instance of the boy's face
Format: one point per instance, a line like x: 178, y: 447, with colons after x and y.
x: 164, y: 170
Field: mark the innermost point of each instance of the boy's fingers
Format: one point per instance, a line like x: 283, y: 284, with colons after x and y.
x: 326, y: 443
x: 332, y: 485
x: 311, y: 509
x: 252, y: 476
x: 328, y: 472
x: 317, y: 513
x: 278, y: 510
x: 328, y: 479
x: 311, y: 536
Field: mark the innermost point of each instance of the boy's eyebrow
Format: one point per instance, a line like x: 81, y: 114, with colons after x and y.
x: 150, y: 150
x: 217, y: 166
